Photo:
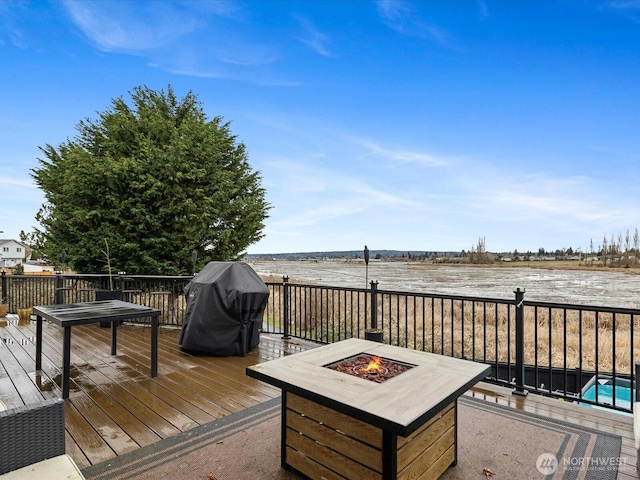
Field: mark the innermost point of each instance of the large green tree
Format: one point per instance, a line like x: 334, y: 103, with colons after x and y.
x: 156, y: 179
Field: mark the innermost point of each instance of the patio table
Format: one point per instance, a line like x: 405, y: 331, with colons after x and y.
x: 69, y: 314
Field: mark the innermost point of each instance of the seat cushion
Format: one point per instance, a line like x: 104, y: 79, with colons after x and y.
x: 61, y: 467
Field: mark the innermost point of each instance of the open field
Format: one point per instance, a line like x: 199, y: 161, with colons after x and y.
x: 569, y: 265
x: 584, y: 286
x: 476, y: 330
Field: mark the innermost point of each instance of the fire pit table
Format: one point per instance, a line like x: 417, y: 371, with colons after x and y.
x: 338, y: 422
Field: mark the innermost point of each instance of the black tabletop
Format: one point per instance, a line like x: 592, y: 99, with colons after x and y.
x: 91, y: 312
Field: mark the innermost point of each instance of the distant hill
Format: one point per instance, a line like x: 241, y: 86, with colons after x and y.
x: 347, y: 254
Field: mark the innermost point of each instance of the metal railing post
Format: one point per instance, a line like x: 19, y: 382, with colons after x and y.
x: 520, y: 390
x: 59, y: 295
x: 3, y: 292
x: 285, y: 307
x: 374, y: 305
x: 637, y: 386
x: 122, y: 282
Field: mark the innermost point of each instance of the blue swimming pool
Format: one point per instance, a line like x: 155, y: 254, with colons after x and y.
x: 624, y: 390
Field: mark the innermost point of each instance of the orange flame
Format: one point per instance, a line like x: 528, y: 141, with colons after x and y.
x: 374, y: 365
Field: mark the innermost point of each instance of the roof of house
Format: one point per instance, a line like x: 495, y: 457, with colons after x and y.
x: 7, y: 240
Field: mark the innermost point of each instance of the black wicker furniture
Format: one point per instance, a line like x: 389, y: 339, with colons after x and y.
x: 31, y: 433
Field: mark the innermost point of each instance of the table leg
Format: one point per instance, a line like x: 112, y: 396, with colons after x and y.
x: 154, y: 346
x: 283, y: 432
x: 114, y: 337
x: 66, y: 361
x: 38, y: 342
x: 389, y: 455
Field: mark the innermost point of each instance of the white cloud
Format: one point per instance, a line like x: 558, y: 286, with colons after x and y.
x: 625, y: 4
x: 316, y: 40
x: 19, y: 182
x: 345, y: 180
x: 185, y: 38
x: 24, y: 199
x: 518, y: 203
x: 393, y: 10
x: 322, y: 213
x: 130, y: 26
x: 11, y: 14
x: 348, y: 203
x: 313, y: 195
x: 380, y: 198
x: 300, y: 178
x: 544, y: 202
x: 198, y: 71
x: 245, y: 55
x: 484, y: 10
x: 276, y: 122
x: 468, y: 199
x: 401, y: 17
x: 400, y: 155
x: 627, y: 8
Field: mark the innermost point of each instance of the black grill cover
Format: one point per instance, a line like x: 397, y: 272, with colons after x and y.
x: 225, y: 303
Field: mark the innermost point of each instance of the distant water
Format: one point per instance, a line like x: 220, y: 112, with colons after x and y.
x: 583, y: 287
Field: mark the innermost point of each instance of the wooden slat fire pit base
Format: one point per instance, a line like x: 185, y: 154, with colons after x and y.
x: 322, y: 443
x: 344, y: 426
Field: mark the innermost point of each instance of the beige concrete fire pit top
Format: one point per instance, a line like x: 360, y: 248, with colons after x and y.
x: 400, y: 405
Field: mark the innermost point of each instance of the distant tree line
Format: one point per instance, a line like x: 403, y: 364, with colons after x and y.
x: 621, y: 250
x: 618, y: 250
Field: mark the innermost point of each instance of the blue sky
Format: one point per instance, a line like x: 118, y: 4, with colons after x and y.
x: 409, y: 125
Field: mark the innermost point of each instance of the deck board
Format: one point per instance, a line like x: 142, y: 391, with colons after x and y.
x: 115, y: 407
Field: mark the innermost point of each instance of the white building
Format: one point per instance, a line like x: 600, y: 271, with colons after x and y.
x: 12, y: 253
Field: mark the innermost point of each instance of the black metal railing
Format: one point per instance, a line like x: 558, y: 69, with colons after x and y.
x: 162, y: 292
x: 577, y: 352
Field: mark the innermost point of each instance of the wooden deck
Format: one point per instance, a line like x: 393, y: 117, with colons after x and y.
x: 115, y: 407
